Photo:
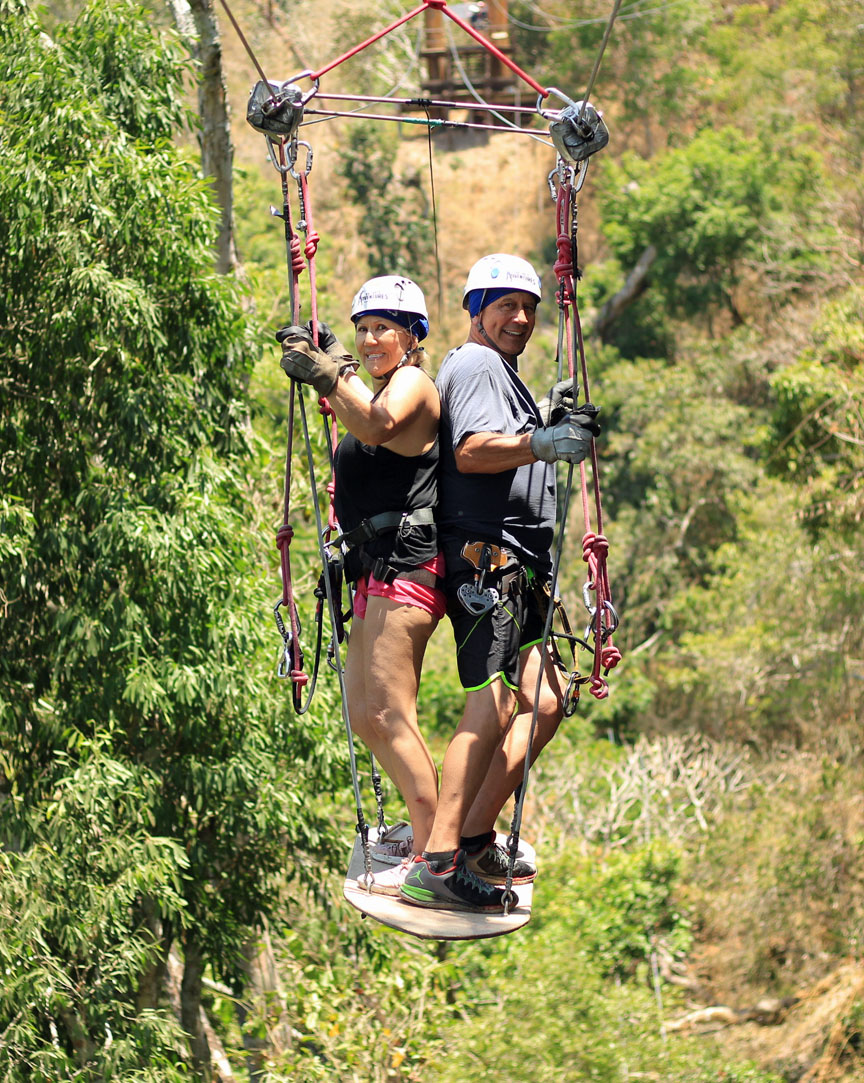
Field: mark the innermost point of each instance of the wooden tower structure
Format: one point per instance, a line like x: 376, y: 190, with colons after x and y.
x: 485, y: 72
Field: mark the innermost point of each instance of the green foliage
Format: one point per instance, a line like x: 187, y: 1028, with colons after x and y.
x: 394, y: 222
x: 778, y: 879
x: 709, y: 209
x: 637, y: 906
x: 135, y: 604
x: 371, y: 1009
x: 72, y: 940
x: 816, y: 430
x: 578, y: 997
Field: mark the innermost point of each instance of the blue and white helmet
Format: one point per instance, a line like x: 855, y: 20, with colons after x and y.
x: 396, y: 298
x: 502, y: 272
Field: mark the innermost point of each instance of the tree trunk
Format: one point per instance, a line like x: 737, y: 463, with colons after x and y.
x: 177, y: 981
x: 633, y: 288
x: 263, y: 1001
x: 196, y: 21
x: 190, y: 1008
x: 153, y: 979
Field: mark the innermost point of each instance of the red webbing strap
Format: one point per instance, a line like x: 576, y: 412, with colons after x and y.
x: 595, y: 546
x: 439, y: 5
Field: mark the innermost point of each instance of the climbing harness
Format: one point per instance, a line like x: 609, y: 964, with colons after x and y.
x: 278, y: 110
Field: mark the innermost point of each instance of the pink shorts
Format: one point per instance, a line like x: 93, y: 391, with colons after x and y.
x: 430, y: 599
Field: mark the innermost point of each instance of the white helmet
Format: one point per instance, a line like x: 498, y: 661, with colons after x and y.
x: 392, y: 293
x: 500, y: 271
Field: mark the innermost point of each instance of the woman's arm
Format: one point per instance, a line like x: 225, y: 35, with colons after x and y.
x: 406, y: 411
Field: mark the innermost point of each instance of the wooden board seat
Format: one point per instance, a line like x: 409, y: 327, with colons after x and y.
x: 431, y: 924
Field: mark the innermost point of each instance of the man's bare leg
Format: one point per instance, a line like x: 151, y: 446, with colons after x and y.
x: 466, y: 762
x: 507, y: 767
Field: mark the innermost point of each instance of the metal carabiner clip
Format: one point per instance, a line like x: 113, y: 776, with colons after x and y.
x: 606, y: 629
x: 292, y: 157
x: 283, y: 670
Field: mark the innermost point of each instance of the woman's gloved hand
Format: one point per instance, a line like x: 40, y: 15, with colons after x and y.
x: 319, y: 365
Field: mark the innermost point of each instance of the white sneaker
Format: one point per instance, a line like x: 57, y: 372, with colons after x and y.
x: 388, y: 881
x: 394, y: 845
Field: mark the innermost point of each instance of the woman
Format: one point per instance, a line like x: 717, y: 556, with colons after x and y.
x: 386, y: 488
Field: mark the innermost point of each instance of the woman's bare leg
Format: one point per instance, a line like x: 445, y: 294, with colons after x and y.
x: 382, y: 675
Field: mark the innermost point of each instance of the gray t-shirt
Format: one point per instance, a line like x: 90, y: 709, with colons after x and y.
x: 479, y: 393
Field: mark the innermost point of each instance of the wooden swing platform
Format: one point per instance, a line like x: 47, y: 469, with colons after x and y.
x: 428, y: 924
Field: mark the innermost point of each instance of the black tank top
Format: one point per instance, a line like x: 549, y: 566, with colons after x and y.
x: 370, y: 480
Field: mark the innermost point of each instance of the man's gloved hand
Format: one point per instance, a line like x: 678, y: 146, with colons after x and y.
x: 570, y: 439
x: 557, y: 403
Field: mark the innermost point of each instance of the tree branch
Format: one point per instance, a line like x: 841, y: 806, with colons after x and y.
x: 633, y: 288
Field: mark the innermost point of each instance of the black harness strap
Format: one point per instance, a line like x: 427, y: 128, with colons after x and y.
x: 385, y: 521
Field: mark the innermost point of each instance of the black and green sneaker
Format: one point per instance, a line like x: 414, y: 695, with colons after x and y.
x: 451, y: 886
x: 490, y: 861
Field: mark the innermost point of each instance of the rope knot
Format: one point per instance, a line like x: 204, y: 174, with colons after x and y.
x: 297, y: 264
x: 595, y: 547
x: 564, y: 264
x: 599, y: 688
x: 284, y: 535
x: 610, y: 656
x: 312, y: 244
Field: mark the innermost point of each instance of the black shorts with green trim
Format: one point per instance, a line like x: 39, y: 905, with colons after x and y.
x: 488, y: 646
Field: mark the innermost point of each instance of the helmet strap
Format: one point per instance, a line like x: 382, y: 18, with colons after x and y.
x: 512, y: 359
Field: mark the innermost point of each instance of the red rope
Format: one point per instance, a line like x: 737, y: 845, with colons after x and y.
x: 286, y: 532
x: 595, y: 545
x: 324, y: 407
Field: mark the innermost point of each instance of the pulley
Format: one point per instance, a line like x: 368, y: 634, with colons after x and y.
x: 275, y: 109
x: 578, y: 131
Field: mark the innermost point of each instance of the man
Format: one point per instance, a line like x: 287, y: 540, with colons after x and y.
x: 496, y: 518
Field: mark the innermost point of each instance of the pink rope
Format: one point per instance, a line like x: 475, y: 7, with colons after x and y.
x: 595, y: 545
x: 324, y: 407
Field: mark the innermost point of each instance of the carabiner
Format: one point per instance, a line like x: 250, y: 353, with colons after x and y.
x: 292, y: 157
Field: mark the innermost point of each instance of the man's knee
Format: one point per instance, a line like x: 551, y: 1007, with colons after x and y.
x: 490, y: 707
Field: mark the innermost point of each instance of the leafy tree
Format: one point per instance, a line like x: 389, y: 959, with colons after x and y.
x: 817, y: 428
x: 709, y: 209
x: 394, y: 222
x: 647, y: 77
x: 131, y: 568
x: 73, y: 944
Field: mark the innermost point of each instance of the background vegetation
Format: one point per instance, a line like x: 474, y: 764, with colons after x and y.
x: 172, y: 835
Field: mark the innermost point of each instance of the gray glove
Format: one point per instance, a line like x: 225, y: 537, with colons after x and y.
x: 307, y: 363
x: 328, y: 342
x: 321, y: 365
x: 570, y: 439
x: 557, y: 403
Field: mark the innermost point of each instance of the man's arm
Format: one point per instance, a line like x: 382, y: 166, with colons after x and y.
x: 493, y: 453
